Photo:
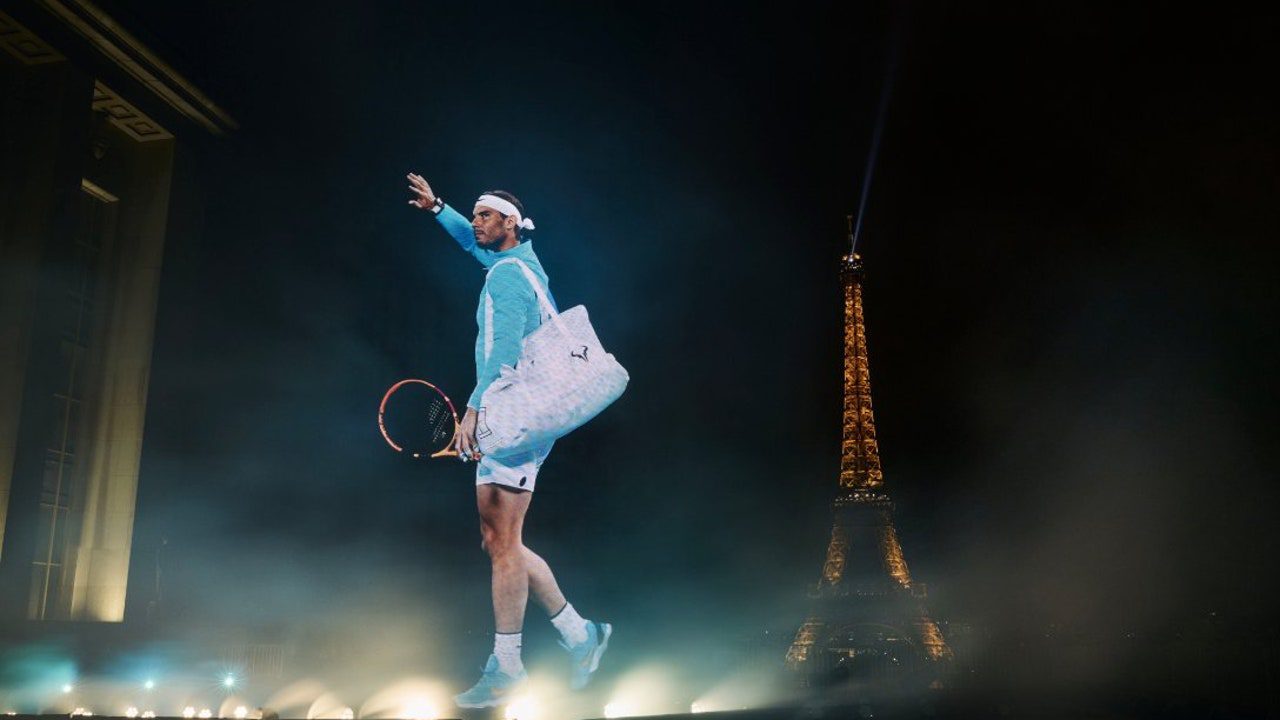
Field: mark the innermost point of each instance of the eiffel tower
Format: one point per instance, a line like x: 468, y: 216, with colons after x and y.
x: 867, y: 620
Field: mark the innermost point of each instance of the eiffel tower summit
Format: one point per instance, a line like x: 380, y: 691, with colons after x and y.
x: 868, y: 621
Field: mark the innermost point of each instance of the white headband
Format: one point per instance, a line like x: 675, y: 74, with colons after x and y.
x: 506, y: 208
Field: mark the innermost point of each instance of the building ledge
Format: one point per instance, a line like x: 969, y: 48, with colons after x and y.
x: 126, y: 51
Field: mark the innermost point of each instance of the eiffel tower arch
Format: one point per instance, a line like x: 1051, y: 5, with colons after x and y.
x: 868, y: 621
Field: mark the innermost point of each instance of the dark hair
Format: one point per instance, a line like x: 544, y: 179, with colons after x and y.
x: 511, y: 199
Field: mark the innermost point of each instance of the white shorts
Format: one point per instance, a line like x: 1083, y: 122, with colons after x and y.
x: 519, y: 471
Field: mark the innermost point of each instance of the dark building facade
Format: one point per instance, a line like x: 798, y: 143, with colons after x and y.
x: 96, y: 133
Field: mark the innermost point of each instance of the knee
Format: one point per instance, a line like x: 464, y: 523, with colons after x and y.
x: 497, y: 543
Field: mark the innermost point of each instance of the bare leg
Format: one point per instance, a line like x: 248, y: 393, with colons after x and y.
x: 501, y: 524
x: 542, y: 583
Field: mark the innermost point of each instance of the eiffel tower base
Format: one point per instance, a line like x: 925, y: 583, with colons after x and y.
x: 873, y: 644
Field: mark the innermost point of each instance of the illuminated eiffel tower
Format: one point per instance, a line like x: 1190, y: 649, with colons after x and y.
x: 868, y: 619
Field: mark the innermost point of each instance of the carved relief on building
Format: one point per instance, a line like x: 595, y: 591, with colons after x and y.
x: 124, y: 115
x: 23, y: 44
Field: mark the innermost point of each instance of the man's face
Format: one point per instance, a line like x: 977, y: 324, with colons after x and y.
x: 490, y: 227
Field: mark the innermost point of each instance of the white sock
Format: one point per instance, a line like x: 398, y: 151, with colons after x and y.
x: 573, y: 629
x: 506, y: 646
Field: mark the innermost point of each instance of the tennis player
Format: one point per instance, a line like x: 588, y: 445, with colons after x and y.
x: 504, y: 487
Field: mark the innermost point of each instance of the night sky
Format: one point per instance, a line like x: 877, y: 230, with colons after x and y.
x: 1070, y: 244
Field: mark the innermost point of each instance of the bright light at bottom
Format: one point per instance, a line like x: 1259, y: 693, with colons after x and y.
x: 695, y: 707
x: 205, y: 714
x: 618, y: 709
x: 188, y: 712
x: 241, y: 712
x: 522, y: 708
x: 417, y: 708
x: 148, y: 714
x: 348, y: 714
x: 132, y: 712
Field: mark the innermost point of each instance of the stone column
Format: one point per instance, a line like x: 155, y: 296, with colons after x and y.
x: 115, y: 428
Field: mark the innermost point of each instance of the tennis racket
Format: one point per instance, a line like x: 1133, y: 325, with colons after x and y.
x: 418, y: 419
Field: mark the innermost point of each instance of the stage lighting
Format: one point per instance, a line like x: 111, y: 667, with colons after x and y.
x: 617, y: 709
x: 420, y: 709
x: 229, y: 681
x: 150, y: 684
x: 205, y: 714
x: 148, y: 714
x: 522, y: 708
x: 131, y: 712
x: 241, y: 712
x: 348, y: 714
x: 67, y: 689
x: 695, y: 707
x: 188, y: 712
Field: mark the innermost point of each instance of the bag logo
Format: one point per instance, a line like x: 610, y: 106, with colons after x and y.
x: 482, y: 424
x: 582, y: 353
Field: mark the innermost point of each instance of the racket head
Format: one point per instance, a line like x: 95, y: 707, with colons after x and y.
x: 427, y: 423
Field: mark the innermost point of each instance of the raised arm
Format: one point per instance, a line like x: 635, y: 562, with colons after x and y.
x: 451, y: 220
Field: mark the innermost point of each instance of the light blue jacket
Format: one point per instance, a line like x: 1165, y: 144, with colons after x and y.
x: 515, y: 306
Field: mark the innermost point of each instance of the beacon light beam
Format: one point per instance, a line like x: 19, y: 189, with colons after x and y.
x: 876, y: 134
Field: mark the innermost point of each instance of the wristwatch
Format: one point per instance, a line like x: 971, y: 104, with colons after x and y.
x: 438, y: 206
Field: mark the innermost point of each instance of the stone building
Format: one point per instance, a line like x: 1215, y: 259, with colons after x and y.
x: 101, y: 143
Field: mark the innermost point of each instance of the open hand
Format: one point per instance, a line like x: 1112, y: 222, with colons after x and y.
x: 423, y: 198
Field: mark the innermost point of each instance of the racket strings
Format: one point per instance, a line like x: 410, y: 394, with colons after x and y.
x: 440, y: 421
x: 401, y: 418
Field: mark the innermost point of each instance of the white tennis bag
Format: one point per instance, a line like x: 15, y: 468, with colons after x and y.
x: 562, y: 379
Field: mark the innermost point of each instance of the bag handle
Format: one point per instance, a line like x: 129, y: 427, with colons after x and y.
x: 543, y: 301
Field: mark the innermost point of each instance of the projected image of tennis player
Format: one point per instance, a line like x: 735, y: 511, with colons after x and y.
x: 510, y: 309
